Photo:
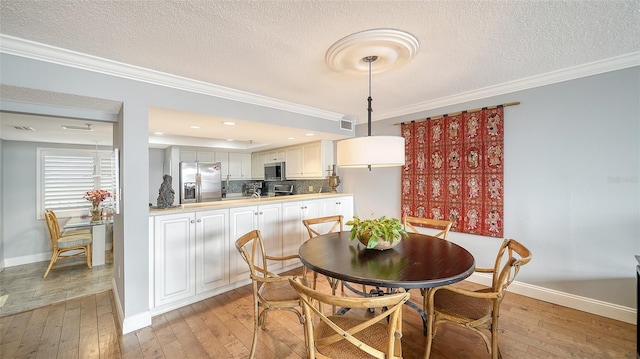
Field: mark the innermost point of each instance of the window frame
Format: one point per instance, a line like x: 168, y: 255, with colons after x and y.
x: 102, y: 162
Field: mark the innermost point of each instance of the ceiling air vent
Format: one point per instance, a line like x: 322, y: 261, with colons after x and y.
x: 78, y: 128
x: 346, y: 125
x: 24, y: 128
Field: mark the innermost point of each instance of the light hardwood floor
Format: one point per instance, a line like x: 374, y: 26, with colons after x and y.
x: 221, y: 327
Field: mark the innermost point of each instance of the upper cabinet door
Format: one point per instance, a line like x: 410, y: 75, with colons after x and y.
x: 293, y: 156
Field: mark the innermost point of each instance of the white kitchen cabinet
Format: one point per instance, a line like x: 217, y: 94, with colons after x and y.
x: 310, y: 160
x: 337, y: 205
x: 257, y: 166
x: 196, y: 156
x: 239, y: 165
x: 187, y: 156
x: 174, y: 257
x: 190, y: 254
x: 293, y: 231
x: 274, y: 156
x: 223, y: 158
x: 265, y: 218
x: 212, y: 249
x: 293, y: 159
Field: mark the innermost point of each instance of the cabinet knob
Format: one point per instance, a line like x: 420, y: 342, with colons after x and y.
x: 255, y: 213
x: 192, y: 221
x: 260, y: 213
x: 199, y: 220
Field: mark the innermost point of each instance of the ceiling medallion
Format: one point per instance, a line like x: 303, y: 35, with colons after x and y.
x: 393, y: 48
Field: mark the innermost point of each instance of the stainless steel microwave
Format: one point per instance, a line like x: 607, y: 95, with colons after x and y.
x: 274, y: 171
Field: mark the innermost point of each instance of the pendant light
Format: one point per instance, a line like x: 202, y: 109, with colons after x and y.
x: 388, y: 49
x: 371, y: 151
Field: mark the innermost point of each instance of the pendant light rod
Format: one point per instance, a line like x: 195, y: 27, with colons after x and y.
x: 369, y: 59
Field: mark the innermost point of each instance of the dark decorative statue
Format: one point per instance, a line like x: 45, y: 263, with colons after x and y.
x: 166, y: 193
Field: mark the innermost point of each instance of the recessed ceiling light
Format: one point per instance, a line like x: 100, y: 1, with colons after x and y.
x: 230, y: 139
x: 308, y: 134
x: 229, y: 123
x: 195, y: 127
x: 291, y: 138
x: 158, y: 133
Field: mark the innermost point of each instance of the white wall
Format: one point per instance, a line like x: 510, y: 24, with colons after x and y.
x: 572, y: 155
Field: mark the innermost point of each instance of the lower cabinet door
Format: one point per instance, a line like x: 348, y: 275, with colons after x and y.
x: 212, y: 265
x: 242, y: 220
x: 174, y: 257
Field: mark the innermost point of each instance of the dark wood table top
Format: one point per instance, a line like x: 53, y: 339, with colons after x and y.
x: 419, y: 261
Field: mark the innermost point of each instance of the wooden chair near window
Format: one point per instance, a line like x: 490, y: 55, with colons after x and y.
x: 442, y: 226
x: 67, y: 241
x: 477, y: 310
x: 313, y: 228
x: 351, y: 336
x: 65, y: 232
x: 270, y: 291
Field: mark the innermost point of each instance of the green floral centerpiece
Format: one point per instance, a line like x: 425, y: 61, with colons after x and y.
x: 378, y: 233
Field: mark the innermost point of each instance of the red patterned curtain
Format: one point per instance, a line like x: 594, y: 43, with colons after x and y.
x: 454, y: 170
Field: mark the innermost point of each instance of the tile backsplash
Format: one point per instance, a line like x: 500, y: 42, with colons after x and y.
x: 299, y: 186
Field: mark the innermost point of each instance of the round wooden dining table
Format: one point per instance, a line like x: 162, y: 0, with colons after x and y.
x: 418, y: 261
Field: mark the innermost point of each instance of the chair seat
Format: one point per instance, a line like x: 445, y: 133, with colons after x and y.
x: 459, y: 305
x: 74, y: 241
x: 375, y: 336
x: 278, y: 291
x: 72, y: 232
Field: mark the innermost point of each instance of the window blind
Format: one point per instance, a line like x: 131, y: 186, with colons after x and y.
x: 66, y: 180
x: 67, y: 174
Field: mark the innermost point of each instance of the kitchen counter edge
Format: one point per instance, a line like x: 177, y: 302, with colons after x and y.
x: 243, y: 202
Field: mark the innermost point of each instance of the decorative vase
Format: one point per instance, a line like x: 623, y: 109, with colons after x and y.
x: 381, y: 245
x: 95, y: 211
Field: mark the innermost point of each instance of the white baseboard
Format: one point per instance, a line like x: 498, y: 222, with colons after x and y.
x: 593, y: 306
x: 32, y: 258
x: 133, y: 322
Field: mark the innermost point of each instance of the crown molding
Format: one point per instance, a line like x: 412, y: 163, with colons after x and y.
x: 593, y: 68
x: 42, y: 52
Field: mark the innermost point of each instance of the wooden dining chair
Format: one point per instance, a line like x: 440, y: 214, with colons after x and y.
x: 476, y: 310
x: 316, y: 227
x: 441, y: 226
x: 351, y: 335
x: 270, y: 291
x: 77, y: 242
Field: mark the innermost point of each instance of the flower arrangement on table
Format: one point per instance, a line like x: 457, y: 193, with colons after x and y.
x: 96, y: 197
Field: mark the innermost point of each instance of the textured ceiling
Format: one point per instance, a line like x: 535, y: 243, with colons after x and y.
x: 277, y: 48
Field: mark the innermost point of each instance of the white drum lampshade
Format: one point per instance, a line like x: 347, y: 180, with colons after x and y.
x: 374, y: 151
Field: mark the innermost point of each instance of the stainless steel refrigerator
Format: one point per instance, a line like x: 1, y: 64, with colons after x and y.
x: 200, y: 182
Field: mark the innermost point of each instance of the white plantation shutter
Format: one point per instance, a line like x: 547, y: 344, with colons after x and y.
x: 107, y: 180
x: 65, y: 176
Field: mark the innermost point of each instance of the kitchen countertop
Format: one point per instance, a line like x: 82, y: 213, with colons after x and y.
x: 231, y: 202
